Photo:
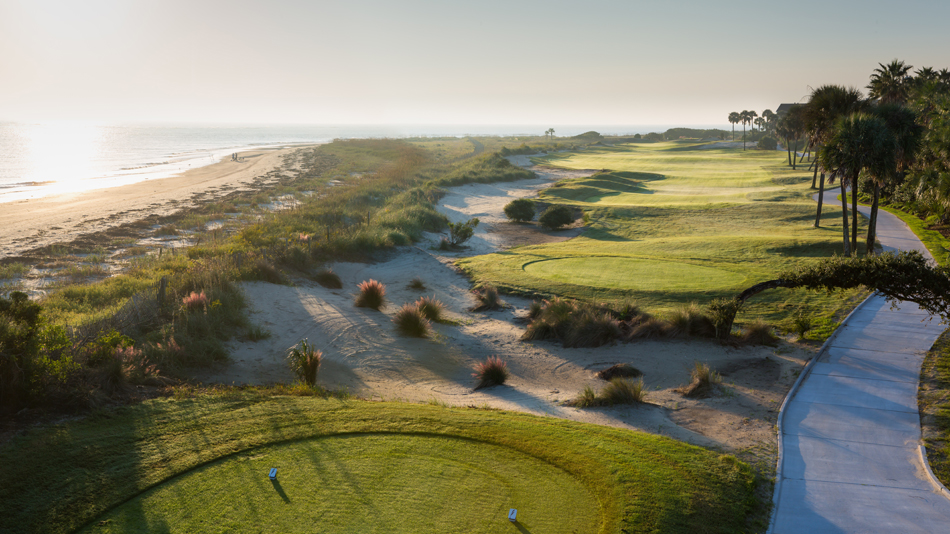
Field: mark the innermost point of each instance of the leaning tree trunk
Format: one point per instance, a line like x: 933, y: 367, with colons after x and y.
x: 814, y: 177
x: 821, y: 197
x: 854, y: 215
x: 872, y: 221
x: 844, y: 218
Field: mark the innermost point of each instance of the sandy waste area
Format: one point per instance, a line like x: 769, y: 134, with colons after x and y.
x: 365, y: 355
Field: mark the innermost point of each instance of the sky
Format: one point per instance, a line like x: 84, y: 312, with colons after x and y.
x: 622, y: 62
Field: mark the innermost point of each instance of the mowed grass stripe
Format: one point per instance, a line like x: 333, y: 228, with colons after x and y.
x: 743, y: 217
x: 638, y: 482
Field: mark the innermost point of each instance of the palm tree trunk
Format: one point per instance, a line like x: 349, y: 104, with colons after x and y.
x: 821, y: 197
x: 844, y: 217
x: 795, y: 154
x: 789, y: 148
x: 743, y: 136
x: 872, y: 221
x: 854, y: 215
x: 733, y: 131
x: 814, y: 177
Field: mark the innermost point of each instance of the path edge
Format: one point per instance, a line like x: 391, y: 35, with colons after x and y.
x: 777, y: 491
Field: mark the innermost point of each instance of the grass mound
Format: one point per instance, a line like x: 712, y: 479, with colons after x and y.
x: 133, y: 468
x: 758, y: 333
x: 372, y: 294
x: 329, y: 279
x: 417, y: 283
x: 411, y: 321
x: 622, y: 370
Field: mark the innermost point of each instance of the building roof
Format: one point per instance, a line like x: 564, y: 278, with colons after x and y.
x: 784, y: 108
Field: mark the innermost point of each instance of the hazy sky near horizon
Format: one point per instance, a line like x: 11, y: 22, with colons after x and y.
x: 444, y: 62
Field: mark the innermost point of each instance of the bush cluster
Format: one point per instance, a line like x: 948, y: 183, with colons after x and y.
x: 520, y: 210
x: 556, y: 216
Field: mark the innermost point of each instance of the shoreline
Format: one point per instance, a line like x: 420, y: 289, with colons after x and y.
x: 30, y: 224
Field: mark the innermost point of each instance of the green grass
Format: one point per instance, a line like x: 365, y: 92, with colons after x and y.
x: 200, y: 464
x: 938, y: 245
x: 670, y: 224
x: 934, y: 402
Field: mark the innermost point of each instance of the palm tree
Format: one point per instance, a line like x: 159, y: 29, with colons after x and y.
x: 760, y: 122
x: 859, y: 142
x: 785, y: 132
x: 734, y: 119
x: 908, y: 134
x: 890, y: 83
x: 745, y: 118
x: 796, y: 127
x: 770, y: 119
x: 819, y: 115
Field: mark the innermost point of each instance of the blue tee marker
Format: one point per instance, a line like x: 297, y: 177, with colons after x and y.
x: 512, y: 515
x: 273, y: 473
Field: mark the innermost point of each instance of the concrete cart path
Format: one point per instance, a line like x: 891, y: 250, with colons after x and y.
x: 850, y: 455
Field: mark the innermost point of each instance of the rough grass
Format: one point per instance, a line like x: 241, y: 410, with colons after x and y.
x: 758, y: 333
x: 671, y: 225
x: 430, y: 308
x: 304, y: 361
x: 164, y: 457
x: 487, y: 298
x: 934, y: 402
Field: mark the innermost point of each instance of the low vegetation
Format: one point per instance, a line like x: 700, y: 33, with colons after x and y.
x: 329, y: 279
x: 430, y: 308
x: 411, y: 321
x: 370, y: 294
x: 520, y: 210
x: 304, y: 361
x: 703, y: 379
x: 556, y: 216
x: 492, y: 372
x: 618, y: 390
x: 487, y: 298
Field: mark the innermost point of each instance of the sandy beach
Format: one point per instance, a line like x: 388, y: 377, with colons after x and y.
x: 29, y: 224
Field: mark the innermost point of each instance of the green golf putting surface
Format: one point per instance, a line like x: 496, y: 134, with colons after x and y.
x: 364, y: 483
x: 632, y: 273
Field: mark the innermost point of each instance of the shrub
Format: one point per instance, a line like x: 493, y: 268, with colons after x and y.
x: 265, y: 272
x: 492, y: 372
x: 487, y: 298
x: 329, y: 279
x: 520, y: 210
x: 703, y: 378
x: 195, y: 301
x: 758, y: 333
x: 622, y: 370
x: 802, y: 324
x: 722, y: 312
x: 430, y: 308
x: 445, y: 244
x: 767, y: 143
x: 461, y: 232
x: 305, y: 361
x: 556, y: 216
x: 417, y: 283
x: 411, y: 321
x: 372, y: 294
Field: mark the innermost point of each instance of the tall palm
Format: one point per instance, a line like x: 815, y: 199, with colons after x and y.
x: 796, y: 126
x: 819, y: 115
x: 859, y: 142
x: 908, y: 134
x: 784, y: 131
x: 734, y: 119
x: 890, y: 83
x: 770, y: 119
x: 745, y: 118
x: 760, y: 122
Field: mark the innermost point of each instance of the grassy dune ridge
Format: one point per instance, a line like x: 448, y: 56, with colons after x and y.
x: 639, y: 482
x: 672, y: 223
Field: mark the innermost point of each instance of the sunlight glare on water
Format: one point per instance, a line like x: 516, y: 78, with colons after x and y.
x: 60, y: 154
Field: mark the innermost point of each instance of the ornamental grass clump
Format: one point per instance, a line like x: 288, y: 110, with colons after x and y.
x: 689, y: 320
x: 651, y: 328
x: 590, y: 328
x: 492, y: 372
x: 304, y: 361
x: 618, y: 391
x: 372, y: 294
x: 703, y: 379
x: 802, y: 324
x: 410, y: 321
x: 430, y: 308
x: 417, y: 284
x: 487, y: 298
x: 329, y: 279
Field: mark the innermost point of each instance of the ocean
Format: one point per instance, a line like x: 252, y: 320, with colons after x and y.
x: 46, y: 158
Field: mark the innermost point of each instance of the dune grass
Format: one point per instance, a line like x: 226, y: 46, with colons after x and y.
x: 670, y: 224
x: 199, y: 463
